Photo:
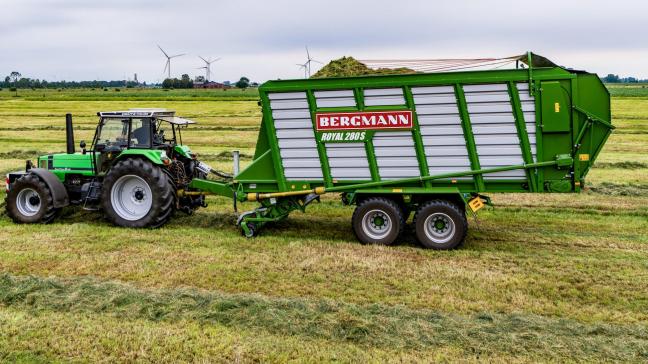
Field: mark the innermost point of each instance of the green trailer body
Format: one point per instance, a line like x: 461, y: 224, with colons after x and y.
x: 562, y: 113
x: 422, y: 136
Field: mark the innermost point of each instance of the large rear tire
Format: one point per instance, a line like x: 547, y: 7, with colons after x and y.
x: 440, y: 225
x: 30, y: 201
x: 377, y: 220
x: 138, y: 194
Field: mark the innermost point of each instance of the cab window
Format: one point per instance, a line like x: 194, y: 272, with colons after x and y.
x: 140, y: 133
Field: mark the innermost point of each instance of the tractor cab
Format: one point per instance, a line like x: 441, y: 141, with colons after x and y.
x: 138, y: 130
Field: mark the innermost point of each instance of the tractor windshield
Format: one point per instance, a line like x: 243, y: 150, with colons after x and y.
x: 113, y: 133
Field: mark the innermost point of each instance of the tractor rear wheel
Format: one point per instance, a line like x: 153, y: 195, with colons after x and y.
x: 137, y: 193
x: 378, y: 220
x: 30, y: 201
x: 440, y: 225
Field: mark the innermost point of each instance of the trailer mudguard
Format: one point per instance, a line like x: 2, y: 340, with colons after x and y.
x: 59, y: 193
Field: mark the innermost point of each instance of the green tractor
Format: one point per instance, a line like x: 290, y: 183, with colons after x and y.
x: 132, y: 172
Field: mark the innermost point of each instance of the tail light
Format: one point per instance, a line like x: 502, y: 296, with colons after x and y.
x: 7, y: 184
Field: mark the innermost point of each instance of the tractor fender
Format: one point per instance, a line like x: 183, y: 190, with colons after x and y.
x: 59, y: 193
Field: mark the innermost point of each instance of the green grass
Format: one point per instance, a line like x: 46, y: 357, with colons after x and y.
x: 540, y: 278
x: 628, y: 89
x: 134, y: 94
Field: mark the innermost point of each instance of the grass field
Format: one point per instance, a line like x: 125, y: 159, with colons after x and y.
x: 540, y: 278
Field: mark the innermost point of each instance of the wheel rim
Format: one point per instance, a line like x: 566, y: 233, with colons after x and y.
x: 439, y: 228
x: 131, y: 197
x: 28, y: 202
x: 376, y: 224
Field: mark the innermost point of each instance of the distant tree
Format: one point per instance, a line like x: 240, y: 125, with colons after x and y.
x: 15, y: 75
x: 610, y: 78
x: 244, y: 82
x: 168, y: 83
x: 200, y: 79
x: 186, y: 82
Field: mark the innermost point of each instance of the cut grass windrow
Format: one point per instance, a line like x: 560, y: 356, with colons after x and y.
x: 622, y: 165
x: 373, y: 325
x: 616, y: 189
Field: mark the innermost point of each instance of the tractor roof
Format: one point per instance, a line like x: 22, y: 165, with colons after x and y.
x: 162, y: 114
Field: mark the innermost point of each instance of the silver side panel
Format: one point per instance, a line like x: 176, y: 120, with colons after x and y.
x: 292, y: 124
x: 395, y: 155
x: 286, y: 95
x: 297, y: 145
x: 440, y: 125
x: 494, y: 129
x: 384, y: 97
x: 433, y: 90
x: 339, y: 98
x: 348, y: 161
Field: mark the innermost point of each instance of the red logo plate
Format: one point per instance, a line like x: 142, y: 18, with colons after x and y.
x: 364, y: 120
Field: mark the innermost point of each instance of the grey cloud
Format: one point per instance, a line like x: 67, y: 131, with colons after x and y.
x: 79, y: 39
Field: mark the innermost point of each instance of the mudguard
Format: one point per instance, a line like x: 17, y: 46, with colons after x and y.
x: 59, y: 193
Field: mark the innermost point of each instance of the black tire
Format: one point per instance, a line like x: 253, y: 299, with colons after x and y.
x: 451, y: 229
x: 368, y: 230
x: 30, y: 201
x: 163, y: 195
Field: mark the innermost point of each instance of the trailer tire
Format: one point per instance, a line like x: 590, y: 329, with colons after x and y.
x: 440, y: 225
x: 30, y: 201
x: 377, y: 220
x: 137, y: 194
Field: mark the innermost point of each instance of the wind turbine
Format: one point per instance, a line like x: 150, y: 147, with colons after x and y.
x: 207, y: 66
x: 167, y: 65
x: 307, y: 66
x: 304, y: 66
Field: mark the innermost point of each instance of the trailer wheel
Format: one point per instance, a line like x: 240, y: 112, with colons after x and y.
x: 137, y: 194
x: 30, y: 201
x: 440, y: 225
x: 377, y: 220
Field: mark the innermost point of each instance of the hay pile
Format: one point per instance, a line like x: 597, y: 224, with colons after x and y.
x: 349, y: 66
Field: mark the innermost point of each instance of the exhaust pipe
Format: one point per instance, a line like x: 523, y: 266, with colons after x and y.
x: 69, y: 134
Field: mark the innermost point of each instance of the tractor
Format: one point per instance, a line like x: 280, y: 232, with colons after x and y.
x: 132, y: 172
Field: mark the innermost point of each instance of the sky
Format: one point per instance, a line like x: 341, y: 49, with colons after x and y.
x: 105, y: 40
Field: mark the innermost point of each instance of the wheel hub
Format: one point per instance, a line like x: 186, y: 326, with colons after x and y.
x: 139, y: 194
x: 34, y: 200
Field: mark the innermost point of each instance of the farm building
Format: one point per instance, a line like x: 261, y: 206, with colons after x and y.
x: 210, y: 84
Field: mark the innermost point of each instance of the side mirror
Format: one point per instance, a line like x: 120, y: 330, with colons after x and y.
x: 83, y: 145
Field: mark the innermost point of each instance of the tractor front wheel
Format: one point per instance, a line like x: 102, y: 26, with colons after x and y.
x: 137, y: 194
x: 30, y: 201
